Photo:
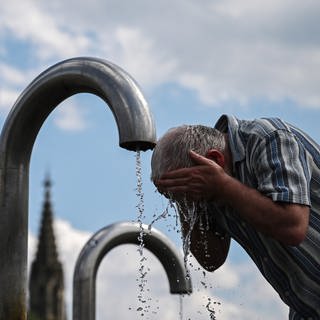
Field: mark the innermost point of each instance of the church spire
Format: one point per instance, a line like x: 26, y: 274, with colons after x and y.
x: 47, y: 250
x: 46, y: 277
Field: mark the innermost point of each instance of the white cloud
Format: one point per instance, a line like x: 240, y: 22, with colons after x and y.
x: 138, y: 53
x: 70, y: 117
x: 12, y: 75
x: 225, y: 51
x: 7, y: 98
x: 12, y: 79
x: 41, y: 29
x: 235, y: 291
x: 32, y: 247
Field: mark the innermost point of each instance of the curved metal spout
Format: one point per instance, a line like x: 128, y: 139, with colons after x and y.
x: 136, y: 131
x: 106, y: 239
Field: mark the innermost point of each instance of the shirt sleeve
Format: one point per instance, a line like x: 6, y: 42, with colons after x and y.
x: 279, y: 164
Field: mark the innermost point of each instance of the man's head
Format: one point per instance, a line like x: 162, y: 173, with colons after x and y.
x: 172, y: 150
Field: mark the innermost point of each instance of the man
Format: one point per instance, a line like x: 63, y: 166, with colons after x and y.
x: 260, y: 184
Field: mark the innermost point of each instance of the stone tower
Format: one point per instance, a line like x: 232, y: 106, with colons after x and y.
x: 46, y: 284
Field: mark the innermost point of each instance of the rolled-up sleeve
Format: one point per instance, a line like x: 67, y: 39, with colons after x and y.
x: 281, y: 169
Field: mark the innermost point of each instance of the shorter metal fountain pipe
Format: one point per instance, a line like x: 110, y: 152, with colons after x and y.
x: 84, y: 280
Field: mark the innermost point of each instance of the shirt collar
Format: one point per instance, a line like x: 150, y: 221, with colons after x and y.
x: 231, y: 125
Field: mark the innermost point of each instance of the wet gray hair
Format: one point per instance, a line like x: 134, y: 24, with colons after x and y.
x: 172, y: 150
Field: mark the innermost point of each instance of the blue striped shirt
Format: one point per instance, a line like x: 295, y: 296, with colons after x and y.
x: 283, y: 163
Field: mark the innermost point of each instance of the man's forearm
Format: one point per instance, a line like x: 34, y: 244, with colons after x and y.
x: 285, y: 222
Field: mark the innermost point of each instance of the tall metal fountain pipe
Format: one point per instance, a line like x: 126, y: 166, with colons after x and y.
x: 84, y: 281
x: 136, y: 131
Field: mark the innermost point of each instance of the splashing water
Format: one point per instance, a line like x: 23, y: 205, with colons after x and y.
x: 165, y: 213
x: 211, y: 310
x: 204, y: 228
x: 194, y: 215
x: 210, y: 304
x: 190, y: 217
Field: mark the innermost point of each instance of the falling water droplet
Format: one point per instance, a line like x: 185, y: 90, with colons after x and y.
x: 211, y: 310
x: 181, y: 307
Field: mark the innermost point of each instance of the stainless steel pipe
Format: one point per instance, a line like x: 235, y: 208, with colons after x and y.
x: 136, y: 131
x: 84, y: 281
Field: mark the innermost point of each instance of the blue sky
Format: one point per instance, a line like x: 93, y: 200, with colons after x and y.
x: 193, y: 62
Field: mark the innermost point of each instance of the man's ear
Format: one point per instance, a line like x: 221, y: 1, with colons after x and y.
x: 216, y: 156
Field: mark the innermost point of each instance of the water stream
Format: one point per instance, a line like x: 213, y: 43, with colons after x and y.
x: 181, y: 307
x: 193, y: 215
x: 142, y: 272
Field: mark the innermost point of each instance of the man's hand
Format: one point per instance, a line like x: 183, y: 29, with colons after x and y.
x: 204, y: 181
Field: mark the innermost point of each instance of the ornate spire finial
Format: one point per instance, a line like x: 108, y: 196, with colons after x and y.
x: 47, y: 182
x: 47, y: 185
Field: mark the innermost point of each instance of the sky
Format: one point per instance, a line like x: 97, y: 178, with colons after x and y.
x: 194, y: 60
